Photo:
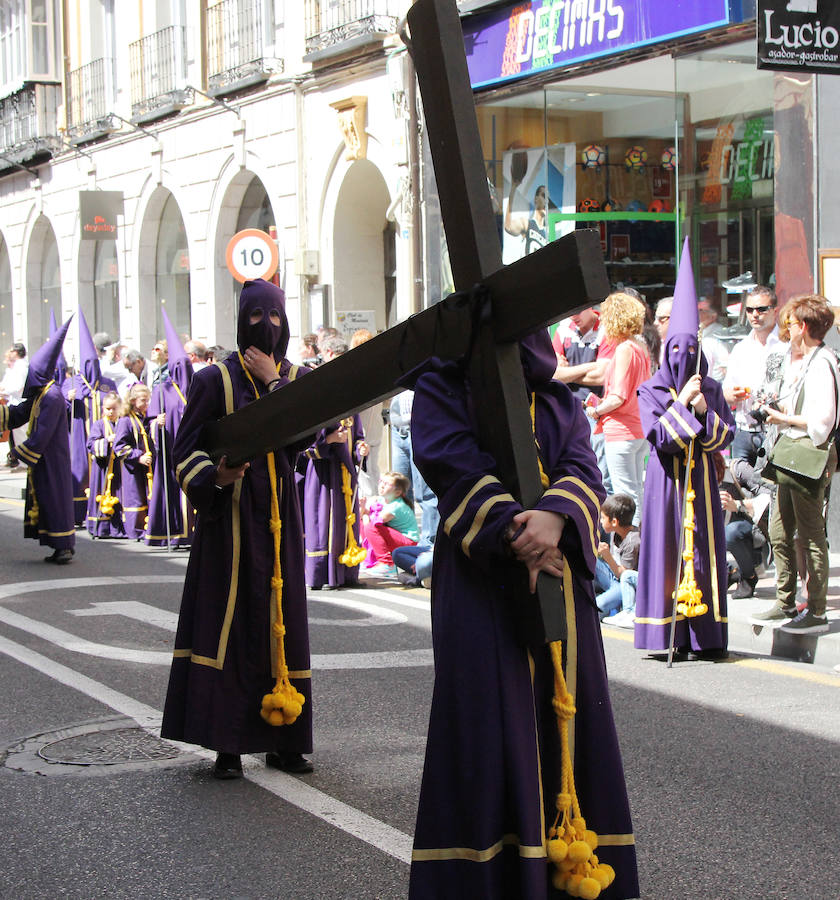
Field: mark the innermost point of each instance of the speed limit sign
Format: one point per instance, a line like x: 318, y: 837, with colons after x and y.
x: 251, y: 254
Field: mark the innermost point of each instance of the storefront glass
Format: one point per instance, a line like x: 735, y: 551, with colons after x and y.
x: 106, y: 294
x: 172, y: 281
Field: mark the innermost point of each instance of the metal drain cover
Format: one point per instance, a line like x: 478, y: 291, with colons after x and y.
x: 107, y: 748
x: 94, y: 748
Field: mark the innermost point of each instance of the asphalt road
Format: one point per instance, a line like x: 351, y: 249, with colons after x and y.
x: 733, y: 768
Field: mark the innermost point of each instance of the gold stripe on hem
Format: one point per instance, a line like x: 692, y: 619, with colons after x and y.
x: 303, y: 674
x: 665, y: 621
x: 312, y: 553
x: 469, y: 854
x: 56, y: 533
x: 616, y: 840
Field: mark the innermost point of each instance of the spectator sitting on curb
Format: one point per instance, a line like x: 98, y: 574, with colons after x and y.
x: 614, y: 579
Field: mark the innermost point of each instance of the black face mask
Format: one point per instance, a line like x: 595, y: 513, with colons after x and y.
x: 262, y: 319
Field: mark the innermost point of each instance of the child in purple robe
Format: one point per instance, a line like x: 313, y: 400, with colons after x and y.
x: 48, y: 513
x: 134, y: 448
x: 243, y: 623
x: 493, y: 770
x: 686, y: 420
x: 104, y: 515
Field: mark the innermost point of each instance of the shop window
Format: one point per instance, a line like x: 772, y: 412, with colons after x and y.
x: 172, y: 279
x: 106, y: 293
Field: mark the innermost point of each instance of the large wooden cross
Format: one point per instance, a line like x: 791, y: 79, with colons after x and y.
x: 561, y: 278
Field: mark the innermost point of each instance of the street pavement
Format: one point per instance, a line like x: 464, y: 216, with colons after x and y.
x: 732, y: 768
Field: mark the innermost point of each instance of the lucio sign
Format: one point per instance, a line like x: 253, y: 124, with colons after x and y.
x: 799, y: 36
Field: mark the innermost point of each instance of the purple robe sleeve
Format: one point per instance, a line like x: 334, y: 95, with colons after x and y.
x: 195, y: 471
x: 125, y: 445
x: 670, y: 426
x: 47, y: 427
x: 15, y: 416
x: 475, y: 508
x: 97, y: 444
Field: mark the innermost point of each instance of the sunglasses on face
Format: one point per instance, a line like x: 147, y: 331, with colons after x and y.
x: 760, y: 310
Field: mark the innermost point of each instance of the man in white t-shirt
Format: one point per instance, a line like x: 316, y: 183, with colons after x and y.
x: 713, y: 349
x: 746, y: 369
x: 11, y: 390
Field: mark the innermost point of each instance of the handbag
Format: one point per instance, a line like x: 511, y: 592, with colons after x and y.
x: 797, y: 463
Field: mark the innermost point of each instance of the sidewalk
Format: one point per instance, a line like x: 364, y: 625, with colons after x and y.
x: 12, y: 481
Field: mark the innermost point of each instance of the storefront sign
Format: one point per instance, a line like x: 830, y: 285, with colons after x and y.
x: 519, y: 40
x: 799, y: 35
x: 251, y: 254
x: 98, y: 211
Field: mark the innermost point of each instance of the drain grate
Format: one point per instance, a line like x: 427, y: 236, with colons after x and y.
x: 107, y: 748
x: 93, y: 748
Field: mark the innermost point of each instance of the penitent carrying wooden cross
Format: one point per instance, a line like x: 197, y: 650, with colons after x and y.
x: 494, y: 308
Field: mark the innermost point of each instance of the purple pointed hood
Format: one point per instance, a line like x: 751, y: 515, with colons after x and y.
x: 43, y: 361
x: 61, y: 365
x: 539, y: 360
x: 180, y: 367
x: 266, y: 303
x: 88, y: 358
x: 679, y: 361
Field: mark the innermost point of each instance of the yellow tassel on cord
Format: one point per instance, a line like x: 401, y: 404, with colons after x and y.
x: 285, y: 703
x: 353, y: 554
x: 571, y: 845
x: 688, y: 595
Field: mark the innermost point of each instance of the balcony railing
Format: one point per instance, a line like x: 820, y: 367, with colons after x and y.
x: 90, y: 98
x: 158, y: 74
x: 340, y: 25
x: 236, y: 37
x: 29, y: 123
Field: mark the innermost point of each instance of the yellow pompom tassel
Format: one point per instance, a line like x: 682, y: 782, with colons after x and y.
x: 353, y: 554
x: 589, y: 888
x: 557, y: 850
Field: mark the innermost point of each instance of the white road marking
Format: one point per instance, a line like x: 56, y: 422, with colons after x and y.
x: 387, y: 659
x: 131, y: 609
x: 346, y: 818
x: 377, y: 615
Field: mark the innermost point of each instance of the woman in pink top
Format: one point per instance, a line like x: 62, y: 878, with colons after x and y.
x: 617, y: 414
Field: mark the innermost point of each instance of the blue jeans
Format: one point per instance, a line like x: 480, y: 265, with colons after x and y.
x: 608, y: 590
x: 626, y: 462
x: 597, y: 443
x: 416, y: 560
x: 628, y: 581
x: 402, y: 460
x: 739, y: 542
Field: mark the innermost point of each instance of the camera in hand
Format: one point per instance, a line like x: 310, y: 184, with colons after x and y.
x: 760, y: 414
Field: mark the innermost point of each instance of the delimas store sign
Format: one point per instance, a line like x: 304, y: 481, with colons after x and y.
x: 799, y: 36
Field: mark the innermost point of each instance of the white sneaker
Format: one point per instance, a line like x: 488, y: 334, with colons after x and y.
x: 624, y: 618
x: 382, y: 571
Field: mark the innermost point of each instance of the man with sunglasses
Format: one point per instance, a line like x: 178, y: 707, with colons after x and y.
x: 746, y: 368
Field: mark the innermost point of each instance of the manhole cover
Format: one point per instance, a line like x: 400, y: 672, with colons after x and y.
x: 94, y: 748
x: 107, y: 748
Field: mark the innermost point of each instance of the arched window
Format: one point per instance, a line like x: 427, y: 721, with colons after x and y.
x: 172, y: 278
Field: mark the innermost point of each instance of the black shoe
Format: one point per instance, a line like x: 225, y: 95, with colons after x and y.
x: 228, y: 766
x: 807, y: 623
x: 295, y: 763
x: 746, y: 588
x: 711, y: 655
x: 60, y: 557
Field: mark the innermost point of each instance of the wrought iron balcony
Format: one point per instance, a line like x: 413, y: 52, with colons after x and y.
x: 339, y: 26
x: 29, y: 123
x: 158, y: 74
x: 90, y: 99
x: 237, y: 32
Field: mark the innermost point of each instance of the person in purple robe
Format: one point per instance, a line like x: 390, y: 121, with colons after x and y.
x: 84, y: 393
x: 686, y: 420
x: 104, y: 513
x: 330, y: 494
x: 495, y: 794
x: 171, y: 518
x: 48, y: 511
x: 240, y: 680
x: 134, y: 449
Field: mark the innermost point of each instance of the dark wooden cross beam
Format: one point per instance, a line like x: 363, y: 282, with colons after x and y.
x: 561, y: 278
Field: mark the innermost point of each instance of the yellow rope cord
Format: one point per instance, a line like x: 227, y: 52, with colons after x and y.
x: 353, y: 554
x: 688, y: 596
x: 146, y: 449
x: 107, y: 501
x: 285, y: 703
x: 571, y: 845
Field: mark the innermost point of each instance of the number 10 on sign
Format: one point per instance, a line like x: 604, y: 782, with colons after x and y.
x: 251, y: 254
